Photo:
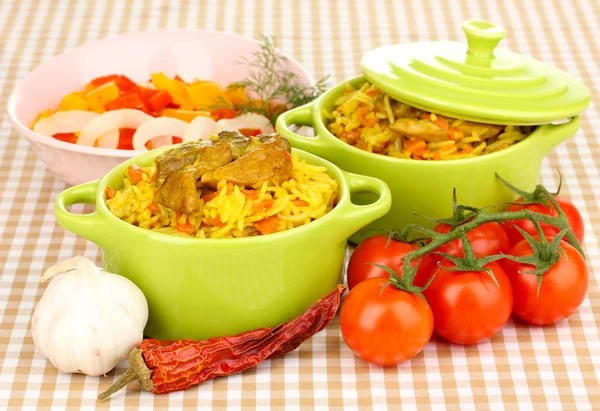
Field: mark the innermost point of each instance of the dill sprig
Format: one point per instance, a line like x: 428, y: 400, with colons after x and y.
x: 268, y: 82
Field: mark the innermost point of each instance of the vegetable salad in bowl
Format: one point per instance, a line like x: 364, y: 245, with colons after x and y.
x: 116, y: 97
x: 114, y: 112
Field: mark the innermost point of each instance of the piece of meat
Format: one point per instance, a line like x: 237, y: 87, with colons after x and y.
x: 239, y: 144
x: 402, y: 110
x: 484, y: 131
x: 179, y: 192
x: 268, y: 162
x: 274, y: 137
x: 242, y: 145
x: 423, y: 129
x: 250, y: 232
x: 212, y: 157
x: 178, y: 158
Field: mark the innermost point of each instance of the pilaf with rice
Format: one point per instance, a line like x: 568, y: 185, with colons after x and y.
x: 369, y: 119
x: 227, y: 210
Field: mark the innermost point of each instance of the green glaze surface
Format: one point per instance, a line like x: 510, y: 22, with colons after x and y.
x: 201, y: 288
x: 425, y: 187
x: 476, y: 81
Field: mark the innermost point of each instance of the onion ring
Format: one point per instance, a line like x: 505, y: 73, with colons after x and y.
x: 201, y: 128
x: 248, y: 120
x: 158, y: 127
x: 111, y: 120
x: 72, y: 121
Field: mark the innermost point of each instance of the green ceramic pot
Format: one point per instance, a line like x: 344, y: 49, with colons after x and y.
x: 425, y: 187
x: 472, y: 81
x: 200, y: 288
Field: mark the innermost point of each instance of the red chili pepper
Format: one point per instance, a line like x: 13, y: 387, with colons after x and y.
x: 166, y: 366
x: 122, y: 82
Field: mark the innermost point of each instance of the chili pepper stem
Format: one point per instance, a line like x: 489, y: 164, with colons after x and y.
x: 137, y: 371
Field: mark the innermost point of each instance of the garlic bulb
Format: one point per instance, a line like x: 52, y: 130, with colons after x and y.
x: 88, y: 320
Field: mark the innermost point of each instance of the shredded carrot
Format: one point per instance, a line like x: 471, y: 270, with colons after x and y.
x: 467, y: 149
x: 263, y: 205
x: 135, y: 173
x: 210, y: 196
x: 154, y: 207
x: 300, y: 203
x: 229, y: 188
x: 372, y: 92
x: 154, y: 177
x: 110, y: 193
x: 416, y: 145
x: 268, y: 225
x: 185, y: 228
x: 216, y: 222
x: 251, y: 194
x: 437, y: 156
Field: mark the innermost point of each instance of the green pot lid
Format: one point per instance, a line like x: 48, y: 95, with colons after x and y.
x: 476, y: 81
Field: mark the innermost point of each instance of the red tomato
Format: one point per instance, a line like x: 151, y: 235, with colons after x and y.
x: 385, y: 328
x: 487, y: 239
x: 375, y: 250
x: 563, y: 288
x: 468, y: 306
x: 573, y: 217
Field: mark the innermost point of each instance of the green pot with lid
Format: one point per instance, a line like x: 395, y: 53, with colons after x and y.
x: 475, y: 81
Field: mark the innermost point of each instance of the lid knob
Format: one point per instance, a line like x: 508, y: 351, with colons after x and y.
x: 482, y: 38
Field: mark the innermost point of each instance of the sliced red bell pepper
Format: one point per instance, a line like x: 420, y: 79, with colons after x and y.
x: 250, y: 132
x: 123, y: 82
x: 157, y: 99
x: 126, y: 138
x: 222, y: 113
x: 66, y: 137
x: 132, y: 99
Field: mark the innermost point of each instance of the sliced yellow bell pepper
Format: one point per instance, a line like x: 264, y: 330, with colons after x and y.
x: 42, y: 115
x: 185, y: 115
x: 237, y: 95
x: 207, y: 94
x: 98, y: 97
x: 73, y: 101
x: 175, y: 88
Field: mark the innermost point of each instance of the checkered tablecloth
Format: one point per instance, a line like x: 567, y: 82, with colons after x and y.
x: 529, y: 368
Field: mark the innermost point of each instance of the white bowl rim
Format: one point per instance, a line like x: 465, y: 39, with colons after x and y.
x: 113, y: 152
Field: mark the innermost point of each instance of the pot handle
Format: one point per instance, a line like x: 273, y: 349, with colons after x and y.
x: 558, y: 133
x: 302, y: 115
x: 358, y: 216
x: 89, y: 226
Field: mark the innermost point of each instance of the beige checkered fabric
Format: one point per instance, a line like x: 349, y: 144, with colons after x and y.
x: 529, y: 368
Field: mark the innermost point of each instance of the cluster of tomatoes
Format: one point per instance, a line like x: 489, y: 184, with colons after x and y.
x: 386, y: 325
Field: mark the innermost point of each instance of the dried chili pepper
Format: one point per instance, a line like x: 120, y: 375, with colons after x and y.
x: 166, y: 366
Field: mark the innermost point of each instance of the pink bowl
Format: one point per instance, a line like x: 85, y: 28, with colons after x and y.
x: 189, y: 53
